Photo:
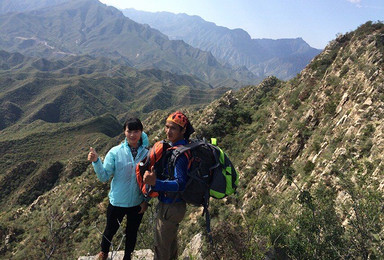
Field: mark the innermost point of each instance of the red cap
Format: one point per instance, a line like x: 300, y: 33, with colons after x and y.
x: 178, y: 118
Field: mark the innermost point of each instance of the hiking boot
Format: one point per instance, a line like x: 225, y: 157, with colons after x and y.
x: 102, y: 256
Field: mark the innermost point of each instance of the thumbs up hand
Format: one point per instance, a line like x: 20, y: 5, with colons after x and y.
x: 150, y: 177
x: 92, y: 155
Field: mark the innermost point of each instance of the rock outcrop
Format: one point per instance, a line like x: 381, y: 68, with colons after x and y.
x: 143, y: 254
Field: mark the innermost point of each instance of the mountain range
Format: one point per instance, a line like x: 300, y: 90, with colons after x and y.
x: 87, y: 27
x: 283, y: 58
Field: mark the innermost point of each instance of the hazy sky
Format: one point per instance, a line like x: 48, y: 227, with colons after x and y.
x: 316, y: 21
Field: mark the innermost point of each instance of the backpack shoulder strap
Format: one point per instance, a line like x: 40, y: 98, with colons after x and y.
x: 183, y: 149
x: 189, y: 146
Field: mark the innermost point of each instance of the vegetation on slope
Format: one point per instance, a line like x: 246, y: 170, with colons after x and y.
x: 309, y: 152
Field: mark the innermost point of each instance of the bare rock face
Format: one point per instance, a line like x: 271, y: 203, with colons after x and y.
x: 193, y: 249
x: 143, y: 254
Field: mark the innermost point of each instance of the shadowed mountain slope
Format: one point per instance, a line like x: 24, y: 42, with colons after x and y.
x: 77, y: 88
x: 12, y: 6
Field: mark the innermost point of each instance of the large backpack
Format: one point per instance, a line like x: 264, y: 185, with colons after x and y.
x: 211, y: 173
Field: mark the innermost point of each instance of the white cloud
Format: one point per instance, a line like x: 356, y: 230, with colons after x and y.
x: 356, y: 2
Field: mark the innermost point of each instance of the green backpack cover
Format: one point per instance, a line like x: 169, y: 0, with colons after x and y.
x: 224, y: 179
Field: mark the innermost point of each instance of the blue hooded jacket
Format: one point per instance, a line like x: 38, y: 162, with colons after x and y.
x: 119, y: 162
x: 179, y: 181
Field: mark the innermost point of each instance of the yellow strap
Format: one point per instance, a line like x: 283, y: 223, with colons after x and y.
x: 214, y: 141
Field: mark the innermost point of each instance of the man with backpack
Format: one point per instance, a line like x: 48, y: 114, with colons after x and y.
x: 171, y: 208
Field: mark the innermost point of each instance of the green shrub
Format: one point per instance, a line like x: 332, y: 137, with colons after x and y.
x: 330, y: 107
x: 344, y: 70
x: 333, y: 81
x: 308, y: 167
x: 322, y: 62
x: 368, y: 130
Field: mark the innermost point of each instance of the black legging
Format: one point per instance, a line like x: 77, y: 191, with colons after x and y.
x: 116, y: 215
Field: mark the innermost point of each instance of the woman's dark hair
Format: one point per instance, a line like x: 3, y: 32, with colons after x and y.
x: 133, y: 124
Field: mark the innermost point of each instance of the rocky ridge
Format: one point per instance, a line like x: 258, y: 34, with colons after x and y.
x: 321, y: 130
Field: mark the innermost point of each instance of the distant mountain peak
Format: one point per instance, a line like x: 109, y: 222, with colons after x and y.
x: 283, y: 58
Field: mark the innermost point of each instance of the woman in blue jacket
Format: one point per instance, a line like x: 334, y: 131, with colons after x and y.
x: 125, y: 197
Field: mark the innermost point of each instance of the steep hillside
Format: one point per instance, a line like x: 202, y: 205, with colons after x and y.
x: 283, y: 58
x: 87, y: 27
x: 309, y: 152
x: 26, y: 155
